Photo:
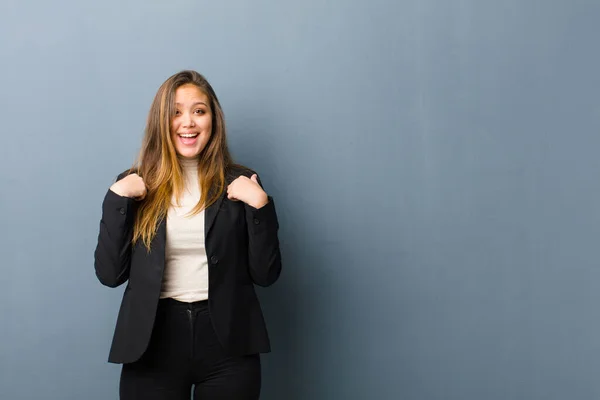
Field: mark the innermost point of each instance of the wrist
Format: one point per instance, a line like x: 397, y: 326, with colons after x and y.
x: 260, y: 201
x: 116, y: 188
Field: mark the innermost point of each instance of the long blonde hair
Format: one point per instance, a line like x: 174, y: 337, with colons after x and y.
x: 158, y: 164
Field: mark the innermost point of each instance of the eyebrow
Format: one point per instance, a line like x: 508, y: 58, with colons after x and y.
x: 195, y: 104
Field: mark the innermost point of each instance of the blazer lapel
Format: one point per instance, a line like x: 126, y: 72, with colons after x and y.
x: 211, y: 213
x: 157, y: 252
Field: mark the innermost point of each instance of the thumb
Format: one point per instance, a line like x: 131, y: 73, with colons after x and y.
x: 254, y: 178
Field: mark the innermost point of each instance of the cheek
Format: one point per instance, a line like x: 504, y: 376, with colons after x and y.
x: 173, y: 138
x: 205, y: 140
x: 207, y: 124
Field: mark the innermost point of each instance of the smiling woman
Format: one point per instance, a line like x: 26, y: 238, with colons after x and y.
x: 192, y: 125
x: 184, y: 226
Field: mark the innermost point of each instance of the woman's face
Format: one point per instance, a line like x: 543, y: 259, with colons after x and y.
x: 191, y: 126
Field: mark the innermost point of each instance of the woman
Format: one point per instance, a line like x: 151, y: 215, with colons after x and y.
x: 190, y: 232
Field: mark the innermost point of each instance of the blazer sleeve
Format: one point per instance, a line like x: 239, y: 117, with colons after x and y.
x: 112, y: 257
x: 263, y: 248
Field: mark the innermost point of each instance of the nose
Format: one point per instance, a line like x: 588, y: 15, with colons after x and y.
x: 187, y: 120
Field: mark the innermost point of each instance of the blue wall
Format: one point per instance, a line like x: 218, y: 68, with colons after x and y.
x: 435, y: 166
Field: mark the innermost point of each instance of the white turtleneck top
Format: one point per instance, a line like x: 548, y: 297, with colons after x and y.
x: 186, y: 265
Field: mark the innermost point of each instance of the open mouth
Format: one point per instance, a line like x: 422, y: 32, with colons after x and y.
x: 188, y: 139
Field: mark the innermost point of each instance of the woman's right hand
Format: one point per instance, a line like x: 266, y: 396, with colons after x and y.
x: 132, y: 186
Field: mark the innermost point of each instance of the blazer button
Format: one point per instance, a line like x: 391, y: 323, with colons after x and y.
x: 122, y: 211
x: 256, y: 221
x: 214, y: 259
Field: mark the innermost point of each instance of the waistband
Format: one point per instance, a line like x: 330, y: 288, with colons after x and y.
x: 176, y: 304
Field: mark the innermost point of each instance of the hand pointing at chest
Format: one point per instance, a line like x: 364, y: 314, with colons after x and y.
x: 132, y: 186
x: 247, y: 190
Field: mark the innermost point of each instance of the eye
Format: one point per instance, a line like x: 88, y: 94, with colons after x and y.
x: 199, y: 111
x: 177, y: 112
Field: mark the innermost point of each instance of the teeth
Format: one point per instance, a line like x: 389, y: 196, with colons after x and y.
x: 193, y: 135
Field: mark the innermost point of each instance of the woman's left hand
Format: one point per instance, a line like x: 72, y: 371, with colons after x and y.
x: 247, y: 190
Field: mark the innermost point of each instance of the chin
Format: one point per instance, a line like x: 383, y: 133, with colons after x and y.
x: 189, y: 153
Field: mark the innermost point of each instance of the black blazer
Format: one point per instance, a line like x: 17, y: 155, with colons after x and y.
x: 242, y: 249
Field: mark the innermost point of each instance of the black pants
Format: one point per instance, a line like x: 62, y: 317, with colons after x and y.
x: 184, y: 352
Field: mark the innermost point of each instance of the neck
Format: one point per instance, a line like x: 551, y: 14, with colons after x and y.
x: 188, y: 163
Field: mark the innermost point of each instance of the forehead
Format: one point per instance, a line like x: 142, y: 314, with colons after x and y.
x: 189, y: 94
